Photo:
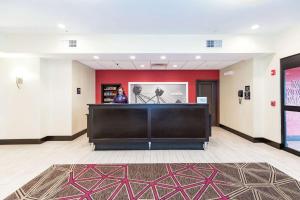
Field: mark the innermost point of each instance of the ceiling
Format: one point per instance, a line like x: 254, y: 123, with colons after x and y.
x: 172, y: 61
x: 148, y: 17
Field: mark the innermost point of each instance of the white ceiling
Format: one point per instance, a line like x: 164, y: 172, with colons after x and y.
x: 183, y: 61
x: 148, y: 16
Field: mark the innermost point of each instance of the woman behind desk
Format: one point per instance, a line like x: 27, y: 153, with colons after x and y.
x: 121, y: 96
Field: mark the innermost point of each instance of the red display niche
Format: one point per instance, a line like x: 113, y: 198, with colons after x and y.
x: 125, y: 76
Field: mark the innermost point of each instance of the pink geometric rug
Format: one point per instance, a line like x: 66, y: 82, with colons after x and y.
x: 161, y: 181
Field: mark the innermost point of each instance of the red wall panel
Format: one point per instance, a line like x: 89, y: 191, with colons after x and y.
x: 125, y: 76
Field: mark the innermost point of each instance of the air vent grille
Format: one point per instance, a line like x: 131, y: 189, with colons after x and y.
x: 73, y: 43
x: 214, y: 43
x: 159, y: 65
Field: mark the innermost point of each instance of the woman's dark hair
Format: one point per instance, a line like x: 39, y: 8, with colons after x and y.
x: 122, y: 89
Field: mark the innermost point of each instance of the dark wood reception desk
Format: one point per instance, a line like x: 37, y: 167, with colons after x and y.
x: 148, y: 126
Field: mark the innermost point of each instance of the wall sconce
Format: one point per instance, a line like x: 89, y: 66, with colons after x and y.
x: 19, y: 82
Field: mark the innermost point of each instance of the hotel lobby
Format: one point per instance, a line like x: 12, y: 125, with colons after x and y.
x: 150, y: 99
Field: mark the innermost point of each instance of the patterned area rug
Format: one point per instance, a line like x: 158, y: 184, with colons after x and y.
x: 243, y: 181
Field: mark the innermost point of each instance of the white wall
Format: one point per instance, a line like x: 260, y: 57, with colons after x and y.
x: 266, y: 120
x: 232, y: 114
x: 46, y: 105
x: 56, y: 87
x: 19, y: 108
x: 287, y: 45
x: 82, y: 77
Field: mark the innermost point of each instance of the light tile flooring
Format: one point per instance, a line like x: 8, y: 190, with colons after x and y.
x: 21, y: 163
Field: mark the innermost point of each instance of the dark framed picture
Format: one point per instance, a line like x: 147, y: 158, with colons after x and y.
x: 78, y: 90
x: 247, y: 92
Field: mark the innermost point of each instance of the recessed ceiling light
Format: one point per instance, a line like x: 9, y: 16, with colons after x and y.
x: 96, y: 57
x: 61, y: 26
x: 132, y: 57
x: 142, y: 65
x: 163, y: 57
x: 197, y: 57
x: 175, y: 66
x: 255, y: 26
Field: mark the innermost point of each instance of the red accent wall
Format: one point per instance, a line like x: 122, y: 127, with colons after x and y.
x: 125, y: 76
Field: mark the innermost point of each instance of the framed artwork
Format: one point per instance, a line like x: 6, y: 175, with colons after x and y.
x: 247, y: 92
x: 157, y: 92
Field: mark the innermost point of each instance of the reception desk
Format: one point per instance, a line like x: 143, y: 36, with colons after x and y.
x: 148, y: 126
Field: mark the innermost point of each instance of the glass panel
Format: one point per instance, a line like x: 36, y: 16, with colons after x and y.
x: 292, y: 87
x: 292, y: 125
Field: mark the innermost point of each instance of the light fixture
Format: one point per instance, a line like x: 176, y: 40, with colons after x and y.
x: 175, y: 66
x: 255, y: 26
x: 132, y: 57
x: 61, y: 26
x: 197, y: 57
x: 142, y: 65
x: 163, y: 57
x: 96, y: 57
x: 19, y: 82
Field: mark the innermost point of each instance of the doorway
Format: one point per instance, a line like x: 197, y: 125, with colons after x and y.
x: 290, y: 103
x: 210, y: 89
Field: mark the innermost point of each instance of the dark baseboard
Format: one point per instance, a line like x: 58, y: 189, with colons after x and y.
x: 269, y: 142
x: 243, y: 135
x: 21, y: 141
x: 293, y: 151
x: 42, y: 140
x: 65, y: 138
x: 252, y: 139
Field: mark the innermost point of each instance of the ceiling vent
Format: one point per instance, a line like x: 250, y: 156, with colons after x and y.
x: 72, y: 43
x: 214, y: 43
x: 229, y: 73
x: 159, y: 65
